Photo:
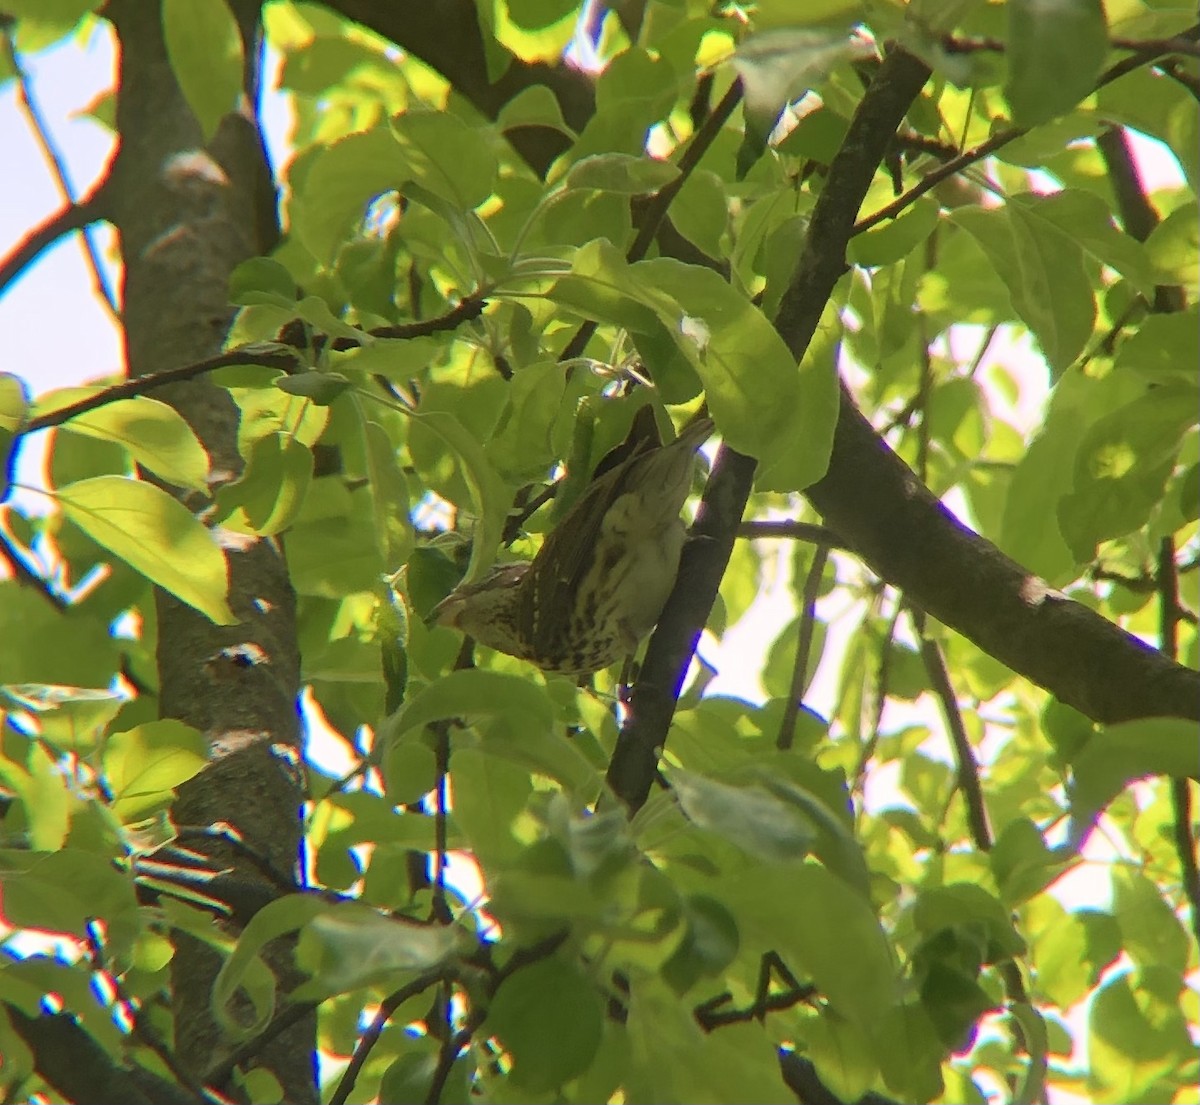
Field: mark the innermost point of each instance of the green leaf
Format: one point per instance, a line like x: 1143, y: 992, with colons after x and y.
x: 1087, y: 220
x: 762, y: 404
x: 896, y: 238
x: 833, y: 842
x: 342, y: 179
x: 1044, y: 272
x: 389, y: 497
x: 1122, y: 467
x: 153, y: 433
x: 843, y: 1055
x: 1044, y: 475
x: 64, y: 12
x: 1119, y: 754
x: 811, y: 917
x: 14, y: 409
x: 523, y: 448
x: 262, y: 280
x: 321, y: 387
x: 1164, y: 348
x: 63, y: 891
x: 625, y: 174
x: 737, y: 1062
x: 70, y: 717
x: 548, y: 1016
x: 1022, y: 863
x: 1174, y: 247
x: 491, y: 795
x: 473, y: 693
x: 244, y: 970
x: 205, y: 50
x: 709, y: 945
x: 443, y: 154
x: 270, y: 493
x: 352, y: 945
x: 779, y: 66
x: 535, y: 106
x: 1152, y: 933
x: 489, y: 497
x: 31, y: 643
x: 1055, y: 51
x: 143, y: 765
x: 1137, y: 1036
x: 156, y: 535
x: 763, y: 826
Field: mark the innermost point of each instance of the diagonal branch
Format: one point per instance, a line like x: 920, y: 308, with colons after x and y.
x: 74, y: 216
x: 1141, y: 56
x: 58, y: 165
x: 897, y: 82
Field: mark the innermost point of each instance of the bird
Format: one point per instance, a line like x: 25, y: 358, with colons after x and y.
x: 601, y: 579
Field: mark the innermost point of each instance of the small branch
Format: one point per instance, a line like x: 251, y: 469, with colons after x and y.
x: 24, y: 574
x: 517, y: 518
x: 656, y: 210
x: 799, y: 531
x: 710, y: 1015
x: 1137, y: 213
x: 1159, y: 46
x: 883, y: 676
x: 369, y: 1038
x: 631, y: 773
x: 800, y: 669
x: 74, y: 216
x: 1189, y: 81
x: 140, y: 385
x: 1143, y: 55
x: 934, y: 178
x: 964, y: 755
x: 287, y: 1018
x: 279, y: 358
x: 450, y: 1050
x: 41, y: 132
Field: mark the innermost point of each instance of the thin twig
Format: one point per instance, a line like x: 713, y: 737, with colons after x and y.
x: 370, y: 1037
x: 74, y: 216
x: 883, y: 675
x: 800, y: 669
x: 656, y: 209
x: 280, y: 357
x: 41, y: 132
x: 23, y: 573
x: 967, y: 767
x: 787, y: 528
x: 1141, y: 57
x: 140, y: 385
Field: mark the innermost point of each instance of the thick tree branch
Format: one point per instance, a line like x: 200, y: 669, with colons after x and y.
x: 897, y: 82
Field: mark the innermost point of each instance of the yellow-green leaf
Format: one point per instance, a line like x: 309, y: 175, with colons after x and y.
x: 155, y: 535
